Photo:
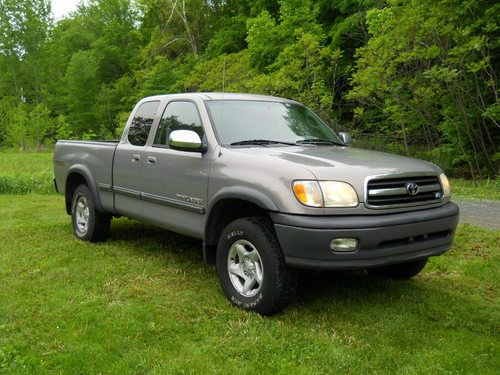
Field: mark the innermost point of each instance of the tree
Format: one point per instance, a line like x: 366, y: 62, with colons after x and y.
x: 82, y: 90
x: 24, y: 29
x: 428, y: 72
x: 417, y: 77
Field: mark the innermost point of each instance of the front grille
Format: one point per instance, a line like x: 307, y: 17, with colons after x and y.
x: 397, y: 191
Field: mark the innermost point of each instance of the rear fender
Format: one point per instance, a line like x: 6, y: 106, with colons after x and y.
x: 83, y: 171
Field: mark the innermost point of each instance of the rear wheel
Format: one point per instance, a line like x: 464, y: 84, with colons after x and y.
x: 402, y: 271
x: 88, y: 223
x: 252, y: 269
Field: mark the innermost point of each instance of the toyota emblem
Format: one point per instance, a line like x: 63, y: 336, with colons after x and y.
x: 411, y: 188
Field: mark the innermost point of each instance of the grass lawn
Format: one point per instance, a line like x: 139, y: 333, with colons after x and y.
x: 482, y: 189
x: 144, y: 302
x: 22, y: 173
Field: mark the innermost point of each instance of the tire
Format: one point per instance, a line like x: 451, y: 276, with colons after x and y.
x: 402, y: 271
x: 88, y: 224
x: 260, y: 280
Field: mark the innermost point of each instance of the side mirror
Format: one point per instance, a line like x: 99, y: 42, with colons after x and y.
x: 185, y: 140
x: 345, y: 137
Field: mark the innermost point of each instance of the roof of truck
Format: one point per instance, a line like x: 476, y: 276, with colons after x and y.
x: 221, y: 96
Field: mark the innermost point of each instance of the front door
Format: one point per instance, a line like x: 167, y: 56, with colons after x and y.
x: 175, y: 182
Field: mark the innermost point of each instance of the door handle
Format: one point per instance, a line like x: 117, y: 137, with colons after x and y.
x: 136, y: 158
x: 151, y: 160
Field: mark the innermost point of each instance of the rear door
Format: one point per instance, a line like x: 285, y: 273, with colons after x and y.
x: 175, y: 182
x: 129, y: 161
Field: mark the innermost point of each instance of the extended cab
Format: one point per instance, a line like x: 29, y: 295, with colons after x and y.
x: 266, y: 185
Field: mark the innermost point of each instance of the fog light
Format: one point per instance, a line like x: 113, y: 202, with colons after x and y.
x: 344, y: 244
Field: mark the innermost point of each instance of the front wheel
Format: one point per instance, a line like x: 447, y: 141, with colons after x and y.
x: 88, y: 223
x: 252, y: 269
x: 402, y: 271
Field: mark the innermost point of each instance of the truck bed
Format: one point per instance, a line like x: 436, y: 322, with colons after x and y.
x: 94, y: 157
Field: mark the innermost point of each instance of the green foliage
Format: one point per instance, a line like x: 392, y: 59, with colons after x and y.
x: 427, y: 73
x: 40, y: 126
x: 228, y: 39
x: 16, y: 127
x: 267, y: 38
x: 24, y: 29
x: 263, y: 40
x: 407, y: 76
x: 225, y: 73
x: 30, y: 127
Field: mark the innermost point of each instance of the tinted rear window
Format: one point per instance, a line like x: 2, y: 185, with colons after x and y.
x: 141, y: 124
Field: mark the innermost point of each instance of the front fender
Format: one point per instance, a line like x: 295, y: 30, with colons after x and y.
x: 244, y: 193
x: 233, y: 192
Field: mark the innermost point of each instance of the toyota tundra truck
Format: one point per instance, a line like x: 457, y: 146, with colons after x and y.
x: 266, y: 185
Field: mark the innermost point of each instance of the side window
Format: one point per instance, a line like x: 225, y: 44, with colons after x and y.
x: 141, y: 124
x: 178, y: 116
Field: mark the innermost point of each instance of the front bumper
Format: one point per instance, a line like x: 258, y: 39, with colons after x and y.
x: 382, y: 239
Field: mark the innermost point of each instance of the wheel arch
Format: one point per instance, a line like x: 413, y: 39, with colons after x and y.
x: 230, y: 204
x: 78, y: 175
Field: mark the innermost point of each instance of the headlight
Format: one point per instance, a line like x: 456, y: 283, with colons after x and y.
x: 446, y: 185
x: 325, y: 194
x: 338, y: 194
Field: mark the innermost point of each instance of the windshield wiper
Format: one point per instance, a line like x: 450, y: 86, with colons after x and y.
x: 318, y: 141
x: 260, y: 142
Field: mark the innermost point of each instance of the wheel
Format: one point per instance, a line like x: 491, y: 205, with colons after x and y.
x: 402, y: 271
x: 88, y: 224
x: 252, y: 269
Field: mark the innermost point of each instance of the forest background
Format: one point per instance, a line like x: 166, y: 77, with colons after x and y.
x: 414, y: 77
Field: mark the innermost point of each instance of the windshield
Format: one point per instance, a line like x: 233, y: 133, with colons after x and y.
x: 237, y: 121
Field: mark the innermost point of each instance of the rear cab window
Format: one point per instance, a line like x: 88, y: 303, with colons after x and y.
x: 141, y: 123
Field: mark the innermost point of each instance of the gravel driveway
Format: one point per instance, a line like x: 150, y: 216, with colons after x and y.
x: 481, y: 212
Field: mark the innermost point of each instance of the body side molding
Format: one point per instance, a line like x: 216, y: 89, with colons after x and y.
x: 154, y: 198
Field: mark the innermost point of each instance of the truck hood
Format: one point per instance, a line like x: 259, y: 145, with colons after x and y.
x: 347, y: 164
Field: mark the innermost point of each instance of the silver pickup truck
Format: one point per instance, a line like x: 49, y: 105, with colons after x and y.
x: 266, y: 185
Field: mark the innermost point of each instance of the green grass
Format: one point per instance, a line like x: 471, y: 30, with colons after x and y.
x: 22, y: 173
x: 482, y: 189
x: 144, y: 302
x: 27, y: 162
